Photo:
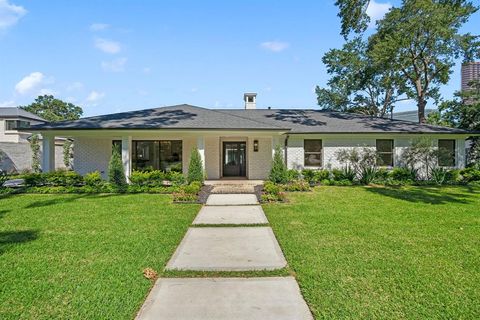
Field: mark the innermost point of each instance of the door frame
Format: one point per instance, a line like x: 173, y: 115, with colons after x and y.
x: 222, y: 152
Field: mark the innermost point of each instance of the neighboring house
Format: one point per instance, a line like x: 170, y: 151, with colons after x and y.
x: 14, y: 144
x: 410, y: 115
x: 237, y: 142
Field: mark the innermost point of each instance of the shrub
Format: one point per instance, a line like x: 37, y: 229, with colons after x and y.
x: 470, y: 174
x: 358, y: 160
x: 147, y: 178
x: 403, y: 174
x: 182, y: 196
x: 347, y: 173
x: 3, y: 177
x: 195, y: 167
x: 35, y: 147
x: 116, y: 174
x: 278, y: 172
x: 308, y: 175
x: 320, y: 175
x: 293, y: 175
x: 270, y: 187
x: 176, y: 178
x: 438, y: 175
x: 368, y: 174
x: 93, y: 179
x: 63, y: 178
x: 268, y: 197
x: 34, y: 179
x: 452, y: 176
x: 382, y: 174
x: 192, y: 188
x: 298, y: 185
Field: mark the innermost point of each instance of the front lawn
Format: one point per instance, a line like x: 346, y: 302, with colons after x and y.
x: 82, y: 256
x: 384, y: 253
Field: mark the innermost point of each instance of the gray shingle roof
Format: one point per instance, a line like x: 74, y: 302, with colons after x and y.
x: 293, y: 120
x: 14, y: 112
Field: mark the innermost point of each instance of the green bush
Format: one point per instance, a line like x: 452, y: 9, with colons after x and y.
x: 271, y: 188
x: 452, y: 176
x: 320, y: 175
x: 382, y: 174
x: 147, y: 178
x: 308, y: 175
x: 439, y: 175
x: 293, y: 175
x: 176, y: 178
x: 182, y: 196
x: 268, y: 197
x: 63, y: 178
x: 116, y: 173
x: 34, y: 179
x: 3, y: 177
x: 93, y: 179
x: 347, y: 173
x: 367, y: 175
x: 470, y: 174
x: 403, y: 174
x: 278, y: 172
x: 192, y: 188
x: 195, y: 167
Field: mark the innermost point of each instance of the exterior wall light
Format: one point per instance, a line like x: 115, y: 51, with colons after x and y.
x: 255, y: 145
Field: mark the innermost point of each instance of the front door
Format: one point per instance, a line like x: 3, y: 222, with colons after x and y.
x: 234, y: 159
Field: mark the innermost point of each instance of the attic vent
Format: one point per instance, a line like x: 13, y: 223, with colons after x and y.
x: 250, y: 100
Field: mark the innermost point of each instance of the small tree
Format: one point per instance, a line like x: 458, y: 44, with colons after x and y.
x: 195, y: 167
x: 35, y: 147
x: 363, y: 161
x: 116, y: 174
x: 278, y: 173
x: 67, y: 153
x: 423, y: 155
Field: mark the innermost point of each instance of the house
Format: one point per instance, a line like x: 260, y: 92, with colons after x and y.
x: 238, y: 142
x: 15, y: 152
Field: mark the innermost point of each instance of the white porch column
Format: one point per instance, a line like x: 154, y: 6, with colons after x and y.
x: 48, y: 153
x: 201, y: 149
x: 126, y: 156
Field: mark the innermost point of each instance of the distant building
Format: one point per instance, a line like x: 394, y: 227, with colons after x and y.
x: 470, y: 72
x: 15, y: 153
x: 410, y: 115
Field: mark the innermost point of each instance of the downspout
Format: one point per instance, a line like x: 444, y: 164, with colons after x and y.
x: 286, y: 150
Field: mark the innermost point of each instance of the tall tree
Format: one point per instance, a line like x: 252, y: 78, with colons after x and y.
x: 358, y: 84
x: 420, y: 41
x: 52, y: 109
x: 353, y: 15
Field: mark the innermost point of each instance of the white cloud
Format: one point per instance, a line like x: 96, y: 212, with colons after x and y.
x: 8, y: 104
x: 10, y: 14
x: 275, y: 46
x: 146, y: 70
x: 107, y: 46
x: 116, y: 65
x: 94, y: 96
x: 376, y: 11
x: 99, y: 26
x: 30, y: 83
x: 47, y: 91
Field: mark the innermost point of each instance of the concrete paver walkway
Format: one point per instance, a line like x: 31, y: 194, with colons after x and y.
x: 272, y: 298
x: 231, y: 199
x: 231, y: 215
x: 228, y: 249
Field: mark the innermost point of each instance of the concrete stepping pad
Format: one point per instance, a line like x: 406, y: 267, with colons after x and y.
x: 228, y: 249
x: 231, y: 215
x: 231, y: 199
x: 225, y: 298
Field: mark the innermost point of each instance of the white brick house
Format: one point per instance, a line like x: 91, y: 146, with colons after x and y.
x: 238, y: 142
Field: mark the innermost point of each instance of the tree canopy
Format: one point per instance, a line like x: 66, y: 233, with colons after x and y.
x: 410, y: 55
x: 52, y: 109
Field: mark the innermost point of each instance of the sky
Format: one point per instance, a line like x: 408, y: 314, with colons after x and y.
x: 117, y: 55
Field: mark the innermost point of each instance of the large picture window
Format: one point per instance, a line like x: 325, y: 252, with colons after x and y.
x: 313, y: 153
x: 16, y: 124
x: 447, y: 153
x: 163, y: 155
x: 385, y: 152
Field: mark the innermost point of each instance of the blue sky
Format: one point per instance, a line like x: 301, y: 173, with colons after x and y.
x: 110, y: 56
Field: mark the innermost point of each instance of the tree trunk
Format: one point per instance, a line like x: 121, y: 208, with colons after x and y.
x: 421, y: 109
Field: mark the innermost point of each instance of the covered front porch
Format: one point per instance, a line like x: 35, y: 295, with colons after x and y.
x: 241, y: 155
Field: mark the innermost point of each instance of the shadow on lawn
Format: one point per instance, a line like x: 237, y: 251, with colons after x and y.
x: 11, y: 238
x: 430, y: 195
x: 67, y: 198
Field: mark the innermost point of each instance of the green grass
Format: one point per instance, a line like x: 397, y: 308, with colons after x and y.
x: 384, y: 253
x: 81, y: 256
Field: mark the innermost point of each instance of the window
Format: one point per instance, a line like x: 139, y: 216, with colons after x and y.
x: 16, y: 124
x: 157, y: 155
x: 313, y: 153
x: 385, y: 152
x: 250, y: 99
x: 446, y: 150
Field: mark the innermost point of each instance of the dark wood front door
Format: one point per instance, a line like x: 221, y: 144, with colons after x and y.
x: 234, y: 159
